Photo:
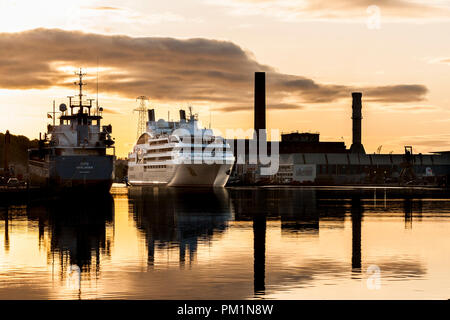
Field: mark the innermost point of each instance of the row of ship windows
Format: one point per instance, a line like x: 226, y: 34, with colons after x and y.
x: 154, y: 167
x: 157, y: 159
x: 159, y: 150
x: 193, y: 149
x: 213, y: 153
x: 155, y: 143
x: 159, y: 142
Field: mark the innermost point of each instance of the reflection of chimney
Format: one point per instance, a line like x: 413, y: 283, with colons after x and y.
x: 260, y: 101
x: 356, y: 215
x: 357, y: 146
x: 6, y: 152
x: 6, y: 242
x: 151, y: 115
x: 259, y: 253
x: 151, y: 253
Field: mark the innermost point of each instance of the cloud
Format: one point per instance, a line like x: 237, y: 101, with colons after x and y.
x: 445, y: 60
x: 397, y: 93
x: 437, y: 60
x: 249, y: 106
x: 407, y: 108
x: 113, y: 19
x: 338, y: 10
x: 104, y: 8
x: 199, y: 71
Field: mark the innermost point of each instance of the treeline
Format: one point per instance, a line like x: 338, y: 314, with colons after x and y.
x: 121, y: 169
x: 18, y: 149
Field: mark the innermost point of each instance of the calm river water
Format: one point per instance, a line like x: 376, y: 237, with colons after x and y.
x: 233, y: 243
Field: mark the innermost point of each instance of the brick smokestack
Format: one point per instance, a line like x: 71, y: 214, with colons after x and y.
x: 357, y: 146
x: 260, y: 101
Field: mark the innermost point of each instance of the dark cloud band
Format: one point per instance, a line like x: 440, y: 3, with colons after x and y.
x: 167, y: 69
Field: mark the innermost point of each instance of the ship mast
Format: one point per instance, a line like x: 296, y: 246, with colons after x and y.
x: 80, y: 84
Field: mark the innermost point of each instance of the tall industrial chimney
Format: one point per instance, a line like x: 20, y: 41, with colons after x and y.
x: 357, y: 146
x: 260, y: 101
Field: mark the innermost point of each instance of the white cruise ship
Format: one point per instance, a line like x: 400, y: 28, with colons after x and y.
x: 179, y: 154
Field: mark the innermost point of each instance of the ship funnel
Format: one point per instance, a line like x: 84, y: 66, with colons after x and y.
x: 357, y: 146
x: 182, y: 115
x: 151, y: 115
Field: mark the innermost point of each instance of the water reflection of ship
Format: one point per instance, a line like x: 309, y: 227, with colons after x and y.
x: 171, y: 217
x: 76, y: 231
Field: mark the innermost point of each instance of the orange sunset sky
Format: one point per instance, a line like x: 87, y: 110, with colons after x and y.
x: 204, y: 53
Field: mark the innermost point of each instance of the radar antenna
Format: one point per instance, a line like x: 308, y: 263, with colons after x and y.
x: 142, y: 111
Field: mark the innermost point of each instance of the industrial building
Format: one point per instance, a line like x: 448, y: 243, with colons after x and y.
x: 304, y: 159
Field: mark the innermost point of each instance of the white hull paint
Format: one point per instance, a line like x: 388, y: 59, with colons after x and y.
x: 211, y: 175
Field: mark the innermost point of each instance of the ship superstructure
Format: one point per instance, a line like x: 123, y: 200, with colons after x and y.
x: 73, y: 152
x: 179, y: 153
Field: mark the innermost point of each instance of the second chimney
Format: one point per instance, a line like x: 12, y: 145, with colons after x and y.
x: 357, y: 146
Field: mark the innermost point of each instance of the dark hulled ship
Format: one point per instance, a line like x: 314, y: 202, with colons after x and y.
x: 74, y: 153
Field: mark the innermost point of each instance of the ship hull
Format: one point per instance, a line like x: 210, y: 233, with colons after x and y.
x: 75, y: 172
x: 198, y: 175
x: 214, y: 175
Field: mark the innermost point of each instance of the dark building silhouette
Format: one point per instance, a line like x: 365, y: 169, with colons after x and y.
x: 308, y: 143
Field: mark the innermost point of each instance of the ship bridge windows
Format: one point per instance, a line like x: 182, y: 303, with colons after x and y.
x: 158, y: 142
x: 143, y: 139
